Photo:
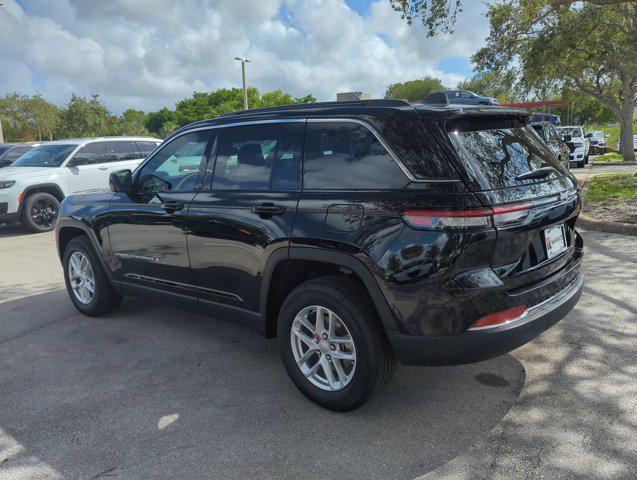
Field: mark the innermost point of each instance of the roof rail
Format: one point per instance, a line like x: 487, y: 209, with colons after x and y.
x: 303, y: 106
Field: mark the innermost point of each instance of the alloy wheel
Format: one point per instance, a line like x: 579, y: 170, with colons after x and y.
x: 323, y: 348
x: 81, y: 277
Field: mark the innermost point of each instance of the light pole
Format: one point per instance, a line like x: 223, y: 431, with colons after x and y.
x: 243, y: 74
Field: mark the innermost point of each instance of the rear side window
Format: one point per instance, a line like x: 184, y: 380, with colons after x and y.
x: 245, y: 157
x: 121, y: 151
x: 345, y: 155
x: 145, y: 148
x: 495, y: 157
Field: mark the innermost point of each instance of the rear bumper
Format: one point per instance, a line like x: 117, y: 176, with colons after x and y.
x: 475, y: 346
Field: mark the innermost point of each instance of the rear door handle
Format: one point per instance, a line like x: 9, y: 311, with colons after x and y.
x: 171, y: 207
x: 104, y: 167
x: 268, y: 209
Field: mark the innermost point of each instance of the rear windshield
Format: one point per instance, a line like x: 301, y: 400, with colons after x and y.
x: 494, y: 157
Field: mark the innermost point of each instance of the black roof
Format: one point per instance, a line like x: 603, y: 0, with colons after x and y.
x: 369, y: 108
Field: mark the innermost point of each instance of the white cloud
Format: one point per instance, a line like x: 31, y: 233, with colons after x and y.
x: 151, y: 53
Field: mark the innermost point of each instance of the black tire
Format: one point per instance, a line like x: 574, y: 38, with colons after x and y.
x: 105, y: 298
x: 39, y: 212
x: 586, y: 160
x: 375, y: 361
x: 580, y: 164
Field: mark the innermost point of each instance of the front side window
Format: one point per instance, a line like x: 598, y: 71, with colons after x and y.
x: 90, y: 154
x: 45, y: 156
x: 346, y: 155
x: 178, y: 166
x: 245, y: 157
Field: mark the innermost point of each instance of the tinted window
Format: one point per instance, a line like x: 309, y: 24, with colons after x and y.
x: 44, y: 156
x: 245, y: 157
x: 495, y: 157
x: 178, y: 166
x: 146, y: 147
x: 90, y: 154
x: 121, y: 151
x: 16, y: 153
x: 344, y: 155
x: 287, y: 165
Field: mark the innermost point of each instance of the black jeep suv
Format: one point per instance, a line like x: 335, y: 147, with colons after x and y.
x: 357, y: 233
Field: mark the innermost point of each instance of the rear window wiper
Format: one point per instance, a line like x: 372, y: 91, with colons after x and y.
x: 537, y: 173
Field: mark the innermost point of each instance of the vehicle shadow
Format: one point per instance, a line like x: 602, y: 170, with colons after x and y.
x: 12, y: 230
x: 155, y: 391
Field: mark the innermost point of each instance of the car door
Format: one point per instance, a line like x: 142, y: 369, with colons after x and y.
x: 247, y: 214
x: 147, y: 228
x: 89, y: 168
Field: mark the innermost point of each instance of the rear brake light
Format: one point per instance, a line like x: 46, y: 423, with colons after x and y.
x: 484, y: 217
x: 498, y: 319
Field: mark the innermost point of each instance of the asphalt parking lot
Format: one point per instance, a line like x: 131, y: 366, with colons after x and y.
x: 153, y: 391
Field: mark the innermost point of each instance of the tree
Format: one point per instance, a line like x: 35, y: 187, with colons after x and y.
x: 551, y: 44
x: 439, y: 16
x: 133, y: 122
x: 84, y: 117
x: 155, y: 121
x: 28, y: 118
x: 414, y: 89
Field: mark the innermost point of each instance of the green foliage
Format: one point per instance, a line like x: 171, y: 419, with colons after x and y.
x: 27, y: 118
x: 438, y: 16
x: 133, y: 122
x: 609, y: 157
x: 414, y: 89
x: 612, y: 185
x: 85, y: 117
x: 575, y: 46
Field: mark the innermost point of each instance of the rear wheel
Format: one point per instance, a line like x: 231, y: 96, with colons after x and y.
x: 86, y: 282
x: 40, y: 212
x: 332, y: 343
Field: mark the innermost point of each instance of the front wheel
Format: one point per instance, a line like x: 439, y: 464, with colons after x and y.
x: 86, y: 282
x: 40, y: 212
x: 332, y: 343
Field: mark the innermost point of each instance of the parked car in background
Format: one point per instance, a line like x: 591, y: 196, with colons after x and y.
x: 32, y: 187
x: 548, y: 132
x: 597, y: 139
x: 546, y: 117
x: 357, y: 233
x: 10, y: 152
x: 467, y: 97
x: 577, y: 142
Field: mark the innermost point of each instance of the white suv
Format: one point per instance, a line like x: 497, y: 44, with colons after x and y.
x: 578, y: 144
x: 33, y: 186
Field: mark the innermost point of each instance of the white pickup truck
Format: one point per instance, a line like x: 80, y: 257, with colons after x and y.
x: 32, y: 187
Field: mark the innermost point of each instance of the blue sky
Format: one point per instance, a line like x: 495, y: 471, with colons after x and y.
x: 151, y: 53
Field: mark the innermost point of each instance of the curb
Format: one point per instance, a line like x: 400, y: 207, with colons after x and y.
x: 607, y: 164
x: 609, y: 227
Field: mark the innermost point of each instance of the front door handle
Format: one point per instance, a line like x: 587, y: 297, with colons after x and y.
x: 171, y: 207
x: 104, y: 167
x: 268, y: 209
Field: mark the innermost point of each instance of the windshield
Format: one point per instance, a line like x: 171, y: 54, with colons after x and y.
x: 4, y: 148
x: 573, y: 132
x: 495, y: 157
x: 44, y: 156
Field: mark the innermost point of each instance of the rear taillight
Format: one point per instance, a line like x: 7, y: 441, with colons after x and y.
x: 499, y: 319
x: 483, y: 217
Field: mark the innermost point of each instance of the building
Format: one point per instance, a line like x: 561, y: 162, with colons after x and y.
x: 349, y: 96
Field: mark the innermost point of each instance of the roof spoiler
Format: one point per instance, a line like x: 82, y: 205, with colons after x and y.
x: 436, y: 98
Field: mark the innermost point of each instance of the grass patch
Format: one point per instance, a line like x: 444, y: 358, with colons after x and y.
x: 612, y: 185
x: 630, y: 219
x: 609, y: 157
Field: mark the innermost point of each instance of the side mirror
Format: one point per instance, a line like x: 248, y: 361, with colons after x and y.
x: 589, y: 135
x: 566, y: 138
x: 121, y: 181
